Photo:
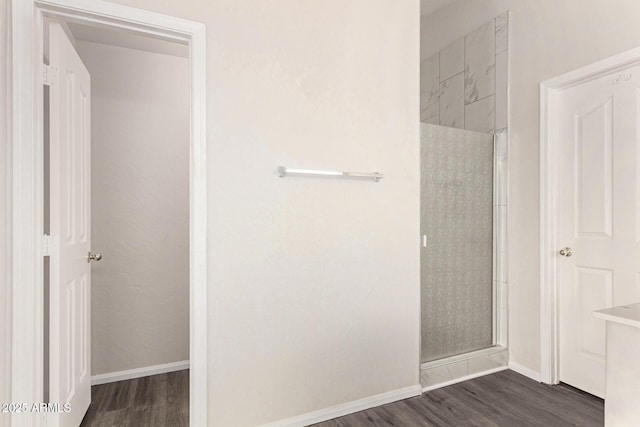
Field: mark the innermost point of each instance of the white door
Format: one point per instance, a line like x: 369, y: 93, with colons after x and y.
x: 70, y: 219
x: 598, y: 208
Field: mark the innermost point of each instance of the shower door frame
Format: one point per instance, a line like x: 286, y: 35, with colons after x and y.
x: 500, y: 278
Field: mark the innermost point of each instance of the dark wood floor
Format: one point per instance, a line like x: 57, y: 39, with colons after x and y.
x: 504, y: 399
x: 156, y: 401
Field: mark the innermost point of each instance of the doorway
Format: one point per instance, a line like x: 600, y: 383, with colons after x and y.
x: 119, y: 185
x: 590, y: 219
x: 29, y: 246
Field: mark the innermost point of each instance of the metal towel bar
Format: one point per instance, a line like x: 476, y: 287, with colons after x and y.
x: 284, y: 171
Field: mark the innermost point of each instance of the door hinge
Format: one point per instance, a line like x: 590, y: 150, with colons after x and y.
x: 424, y: 240
x: 49, y: 75
x: 46, y: 245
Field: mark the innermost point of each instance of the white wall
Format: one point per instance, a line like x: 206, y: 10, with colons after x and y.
x: 4, y: 208
x: 140, y: 207
x: 547, y: 38
x: 313, y: 283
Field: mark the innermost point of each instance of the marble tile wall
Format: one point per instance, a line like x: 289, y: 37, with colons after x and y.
x: 465, y: 84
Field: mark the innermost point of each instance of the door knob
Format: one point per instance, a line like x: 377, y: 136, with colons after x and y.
x: 94, y: 257
x: 566, y: 252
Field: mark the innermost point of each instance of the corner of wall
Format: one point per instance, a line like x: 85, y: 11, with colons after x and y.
x: 526, y: 371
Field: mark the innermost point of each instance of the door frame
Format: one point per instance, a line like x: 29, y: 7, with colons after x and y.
x: 550, y: 91
x: 26, y: 162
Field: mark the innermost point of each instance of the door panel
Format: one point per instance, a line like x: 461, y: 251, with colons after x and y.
x: 592, y: 287
x: 70, y: 295
x: 598, y: 217
x: 594, y: 181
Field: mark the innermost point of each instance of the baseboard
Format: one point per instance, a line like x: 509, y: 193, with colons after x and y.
x: 112, y: 377
x: 527, y: 372
x: 347, y: 408
x: 465, y: 378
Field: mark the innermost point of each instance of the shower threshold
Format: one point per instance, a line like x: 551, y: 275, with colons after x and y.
x: 454, y: 369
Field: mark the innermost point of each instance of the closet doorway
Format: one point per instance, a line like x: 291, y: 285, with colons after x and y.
x: 53, y: 185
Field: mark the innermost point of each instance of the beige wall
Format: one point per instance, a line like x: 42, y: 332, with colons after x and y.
x: 313, y: 283
x: 547, y: 38
x: 4, y: 207
x: 140, y: 207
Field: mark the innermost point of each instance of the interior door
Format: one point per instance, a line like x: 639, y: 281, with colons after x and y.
x: 70, y: 225
x: 598, y: 210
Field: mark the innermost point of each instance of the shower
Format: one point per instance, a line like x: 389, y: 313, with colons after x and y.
x: 462, y: 220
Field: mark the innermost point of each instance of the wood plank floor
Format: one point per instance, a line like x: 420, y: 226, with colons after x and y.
x: 504, y: 399
x: 155, y: 401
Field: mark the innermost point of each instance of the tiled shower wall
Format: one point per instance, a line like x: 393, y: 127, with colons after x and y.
x: 465, y: 84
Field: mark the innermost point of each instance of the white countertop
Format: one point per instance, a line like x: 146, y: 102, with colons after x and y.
x: 624, y: 314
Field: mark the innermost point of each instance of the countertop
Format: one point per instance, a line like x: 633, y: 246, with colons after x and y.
x: 624, y: 314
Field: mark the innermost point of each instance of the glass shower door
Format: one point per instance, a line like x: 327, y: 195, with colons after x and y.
x: 457, y: 254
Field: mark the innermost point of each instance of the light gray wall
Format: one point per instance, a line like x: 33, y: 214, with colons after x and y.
x: 547, y: 38
x: 4, y: 208
x: 140, y: 207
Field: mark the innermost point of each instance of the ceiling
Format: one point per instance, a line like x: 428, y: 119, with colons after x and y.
x: 136, y: 41
x: 127, y: 39
x: 427, y: 7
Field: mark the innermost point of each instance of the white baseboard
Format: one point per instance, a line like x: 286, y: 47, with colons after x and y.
x: 465, y: 378
x: 112, y: 377
x: 348, y: 408
x: 527, y: 372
